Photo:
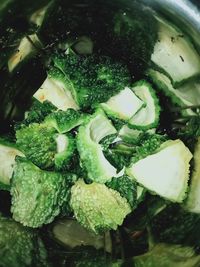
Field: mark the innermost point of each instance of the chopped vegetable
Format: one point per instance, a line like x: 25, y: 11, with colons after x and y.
x: 8, y: 152
x: 37, y: 195
x: 174, y: 54
x: 148, y: 116
x: 90, y: 134
x: 123, y: 105
x: 97, y: 207
x: 166, y: 172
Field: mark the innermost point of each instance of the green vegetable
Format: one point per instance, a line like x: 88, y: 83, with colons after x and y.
x: 56, y: 89
x: 165, y: 255
x: 92, y: 79
x: 147, y: 144
x: 126, y: 187
x: 192, y: 202
x: 166, y: 172
x: 132, y: 136
x: 124, y: 105
x: 148, y: 116
x: 37, y: 141
x: 174, y: 54
x: 20, y: 246
x: 65, y: 151
x: 89, y: 135
x: 97, y: 207
x: 37, y: 113
x: 8, y: 152
x: 71, y: 234
x: 26, y: 49
x: 174, y: 225
x: 44, y: 146
x: 186, y: 95
x: 126, y: 33
x: 37, y: 195
x: 65, y: 121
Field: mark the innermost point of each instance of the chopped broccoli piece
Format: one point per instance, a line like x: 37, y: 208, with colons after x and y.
x: 126, y: 187
x: 92, y: 79
x: 97, y: 207
x: 65, y: 121
x: 37, y: 195
x: 37, y: 141
x: 57, y: 90
x: 8, y: 152
x: 20, y: 246
x: 124, y: 105
x: 45, y: 147
x: 166, y: 172
x: 65, y: 151
x: 89, y: 135
x: 174, y: 54
x: 148, y: 116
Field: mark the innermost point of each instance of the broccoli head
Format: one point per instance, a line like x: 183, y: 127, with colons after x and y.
x: 92, y: 79
x: 97, y: 207
x: 64, y: 121
x: 37, y: 195
x: 20, y: 246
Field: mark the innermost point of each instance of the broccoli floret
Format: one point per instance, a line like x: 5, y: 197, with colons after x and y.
x: 8, y: 152
x: 89, y: 135
x: 126, y: 187
x: 45, y: 147
x: 56, y: 89
x: 20, y: 246
x: 166, y: 172
x: 97, y: 207
x: 64, y: 121
x: 93, y: 79
x: 37, y: 195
